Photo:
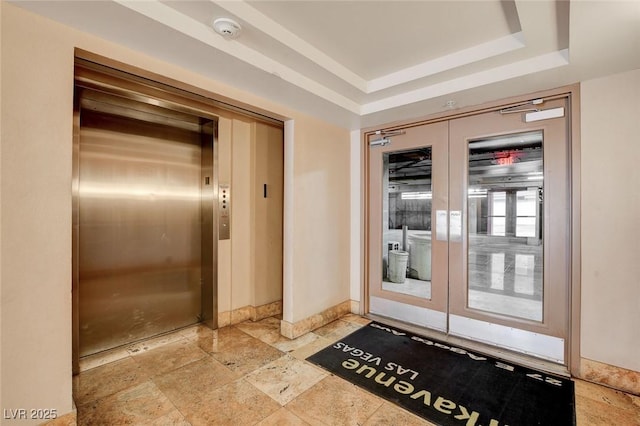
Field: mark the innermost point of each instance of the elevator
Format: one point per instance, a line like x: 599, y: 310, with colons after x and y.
x: 145, y: 227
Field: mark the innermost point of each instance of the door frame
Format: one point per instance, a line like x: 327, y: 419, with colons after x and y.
x: 572, y: 93
x: 101, y: 72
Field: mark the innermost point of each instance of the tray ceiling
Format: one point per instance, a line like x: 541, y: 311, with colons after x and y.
x: 360, y: 63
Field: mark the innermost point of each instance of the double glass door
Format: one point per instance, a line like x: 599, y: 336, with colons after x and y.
x: 469, y: 229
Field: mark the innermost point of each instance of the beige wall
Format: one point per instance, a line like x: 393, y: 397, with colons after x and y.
x: 610, y: 128
x: 36, y: 135
x: 234, y: 265
x: 249, y: 273
x: 321, y: 203
x: 37, y: 82
x: 268, y: 156
x: 241, y: 261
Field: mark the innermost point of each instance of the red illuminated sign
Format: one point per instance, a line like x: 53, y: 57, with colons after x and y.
x: 506, y: 158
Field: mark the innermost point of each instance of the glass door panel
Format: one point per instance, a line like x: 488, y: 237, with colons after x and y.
x: 505, y: 259
x: 406, y: 222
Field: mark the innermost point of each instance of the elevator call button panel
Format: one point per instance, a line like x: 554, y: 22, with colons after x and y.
x: 224, y: 216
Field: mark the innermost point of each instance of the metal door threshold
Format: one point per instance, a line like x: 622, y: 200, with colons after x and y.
x: 493, y: 351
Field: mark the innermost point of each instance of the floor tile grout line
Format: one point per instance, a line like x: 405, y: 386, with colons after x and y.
x: 175, y: 407
x: 172, y: 402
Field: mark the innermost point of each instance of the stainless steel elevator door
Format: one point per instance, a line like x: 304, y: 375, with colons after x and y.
x: 139, y: 218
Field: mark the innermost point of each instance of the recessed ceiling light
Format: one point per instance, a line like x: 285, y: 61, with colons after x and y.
x: 227, y: 28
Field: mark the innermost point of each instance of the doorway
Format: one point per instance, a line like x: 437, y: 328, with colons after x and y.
x: 469, y: 228
x: 144, y: 221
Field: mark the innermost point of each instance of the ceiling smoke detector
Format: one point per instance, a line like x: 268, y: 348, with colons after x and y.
x: 227, y: 28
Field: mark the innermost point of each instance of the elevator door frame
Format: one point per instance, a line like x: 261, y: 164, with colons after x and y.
x: 208, y: 222
x: 572, y: 93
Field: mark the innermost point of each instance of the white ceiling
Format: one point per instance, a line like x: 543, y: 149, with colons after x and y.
x: 364, y: 63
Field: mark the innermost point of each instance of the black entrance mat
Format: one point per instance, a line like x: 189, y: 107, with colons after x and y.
x: 448, y: 385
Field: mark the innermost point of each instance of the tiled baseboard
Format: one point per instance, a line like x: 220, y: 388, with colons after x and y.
x: 253, y: 313
x: 610, y: 375
x: 297, y: 329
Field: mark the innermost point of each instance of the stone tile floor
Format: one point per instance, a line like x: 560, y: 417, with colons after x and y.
x: 248, y: 374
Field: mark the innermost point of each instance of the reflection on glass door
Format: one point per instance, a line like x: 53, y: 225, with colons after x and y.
x: 505, y: 266
x: 406, y: 222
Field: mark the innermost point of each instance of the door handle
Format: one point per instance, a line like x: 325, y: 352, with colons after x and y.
x: 455, y: 226
x: 452, y: 232
x: 441, y: 225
